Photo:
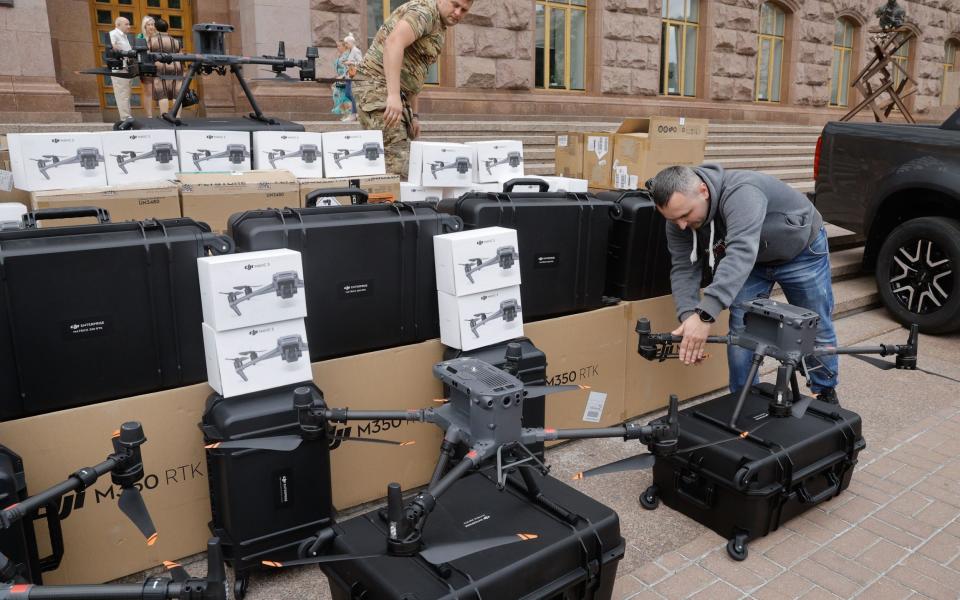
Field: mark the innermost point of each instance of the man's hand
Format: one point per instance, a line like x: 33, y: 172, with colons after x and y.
x: 393, y: 111
x: 694, y: 333
x: 415, y: 126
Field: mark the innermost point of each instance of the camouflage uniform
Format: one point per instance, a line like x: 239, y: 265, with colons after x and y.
x: 370, y: 85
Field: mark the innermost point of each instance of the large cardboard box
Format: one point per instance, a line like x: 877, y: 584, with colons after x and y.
x: 644, y: 147
x: 598, y: 159
x: 212, y: 197
x: 379, y: 188
x: 136, y: 202
x: 569, y: 155
x: 100, y: 543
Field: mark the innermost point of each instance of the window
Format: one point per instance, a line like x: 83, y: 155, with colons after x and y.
x: 949, y: 61
x: 678, y: 47
x: 902, y: 58
x: 842, y: 57
x: 561, y: 44
x: 770, y: 56
x: 377, y: 13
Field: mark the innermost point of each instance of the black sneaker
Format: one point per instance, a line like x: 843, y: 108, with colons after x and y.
x: 828, y: 395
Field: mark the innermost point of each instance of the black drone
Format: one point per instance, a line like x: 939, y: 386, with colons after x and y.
x: 284, y: 284
x: 88, y: 158
x: 307, y: 152
x: 235, y: 153
x: 162, y: 152
x: 289, y: 347
x: 371, y: 151
x: 508, y: 312
x: 513, y: 159
x: 460, y: 163
x: 506, y: 257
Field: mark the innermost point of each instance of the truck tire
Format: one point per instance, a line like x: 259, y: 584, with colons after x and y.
x: 918, y: 273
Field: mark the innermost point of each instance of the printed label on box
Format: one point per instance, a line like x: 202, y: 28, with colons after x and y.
x: 598, y: 145
x: 6, y: 181
x: 562, y: 141
x: 594, y: 410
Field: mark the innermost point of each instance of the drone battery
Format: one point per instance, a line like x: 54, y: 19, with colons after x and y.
x: 565, y: 561
x: 90, y: 313
x: 18, y: 543
x: 264, y: 504
x: 638, y: 261
x: 367, y: 269
x: 750, y: 486
x: 562, y: 238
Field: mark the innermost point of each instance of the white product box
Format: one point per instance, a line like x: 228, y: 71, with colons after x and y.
x: 353, y: 153
x: 208, y: 150
x: 56, y: 161
x: 141, y: 155
x: 482, y: 319
x: 300, y: 152
x: 435, y: 164
x: 477, y: 260
x: 456, y: 192
x: 556, y: 184
x: 410, y: 192
x: 497, y: 160
x: 253, y: 359
x: 251, y: 288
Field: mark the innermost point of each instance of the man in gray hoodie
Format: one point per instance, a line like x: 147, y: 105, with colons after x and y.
x: 750, y: 231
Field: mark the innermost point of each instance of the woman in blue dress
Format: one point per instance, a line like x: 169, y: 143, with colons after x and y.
x: 341, y: 102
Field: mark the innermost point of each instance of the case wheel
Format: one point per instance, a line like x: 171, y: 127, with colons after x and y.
x: 304, y: 547
x: 240, y: 587
x: 737, y: 548
x: 649, y: 499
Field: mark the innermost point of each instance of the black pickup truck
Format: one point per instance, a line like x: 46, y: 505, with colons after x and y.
x: 899, y: 187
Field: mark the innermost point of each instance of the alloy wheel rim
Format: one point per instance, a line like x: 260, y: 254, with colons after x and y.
x: 921, y: 276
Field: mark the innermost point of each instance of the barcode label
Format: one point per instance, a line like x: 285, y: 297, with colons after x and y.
x: 594, y: 410
x: 562, y: 141
x: 6, y: 181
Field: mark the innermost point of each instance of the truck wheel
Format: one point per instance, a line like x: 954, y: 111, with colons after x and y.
x: 917, y: 273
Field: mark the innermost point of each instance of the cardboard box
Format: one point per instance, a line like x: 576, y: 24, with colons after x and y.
x: 300, y: 152
x: 212, y: 197
x: 134, y: 157
x: 410, y: 192
x: 478, y: 260
x: 569, y: 155
x: 379, y: 188
x: 353, y: 153
x: 251, y: 288
x: 644, y: 147
x: 56, y: 161
x: 497, y: 160
x: 438, y: 164
x: 211, y: 151
x: 649, y: 384
x: 598, y: 159
x: 100, y: 543
x: 556, y: 184
x: 481, y: 319
x: 251, y: 359
x: 135, y: 202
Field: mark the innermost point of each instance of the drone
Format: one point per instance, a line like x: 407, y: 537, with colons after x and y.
x: 163, y: 152
x: 308, y: 152
x: 371, y: 151
x: 513, y: 159
x: 289, y: 347
x: 460, y: 163
x: 285, y: 284
x: 235, y: 153
x: 482, y: 424
x: 125, y: 466
x: 508, y: 312
x: 506, y: 257
x: 88, y: 158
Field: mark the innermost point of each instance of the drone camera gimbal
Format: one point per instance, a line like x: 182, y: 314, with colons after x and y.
x: 460, y: 163
x: 513, y: 159
x: 308, y: 152
x: 235, y: 153
x: 508, y: 311
x: 284, y: 284
x: 162, y: 152
x: 506, y: 257
x: 88, y: 158
x: 371, y: 151
x: 290, y: 348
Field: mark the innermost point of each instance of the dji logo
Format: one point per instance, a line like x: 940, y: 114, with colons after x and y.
x: 488, y: 297
x: 250, y: 267
x: 259, y: 331
x: 215, y: 137
x: 74, y: 327
x: 135, y: 137
x: 482, y: 242
x: 58, y: 140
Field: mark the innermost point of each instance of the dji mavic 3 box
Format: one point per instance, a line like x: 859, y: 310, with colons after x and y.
x: 56, y: 161
x: 477, y: 260
x: 252, y: 359
x: 481, y: 319
x: 497, y: 160
x: 353, y: 153
x: 141, y: 156
x: 251, y: 288
x: 300, y: 152
x: 208, y: 151
x: 437, y: 164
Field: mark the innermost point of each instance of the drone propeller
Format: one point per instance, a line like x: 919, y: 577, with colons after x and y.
x: 534, y: 391
x: 176, y: 570
x: 641, y: 462
x: 886, y: 366
x: 131, y: 504
x: 107, y: 71
x: 289, y: 443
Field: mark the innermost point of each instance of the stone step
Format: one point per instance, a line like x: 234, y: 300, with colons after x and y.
x: 850, y: 296
x: 715, y: 139
x: 842, y: 239
x: 801, y: 174
x: 529, y: 140
x: 760, y: 151
x: 846, y: 264
x: 801, y: 186
x: 764, y: 128
x: 764, y: 162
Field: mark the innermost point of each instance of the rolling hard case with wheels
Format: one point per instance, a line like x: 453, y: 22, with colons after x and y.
x: 638, y: 261
x: 97, y: 312
x: 368, y: 269
x: 567, y: 561
x: 562, y: 240
x: 744, y: 487
x: 266, y: 505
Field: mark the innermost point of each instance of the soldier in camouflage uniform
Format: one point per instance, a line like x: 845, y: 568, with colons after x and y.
x: 394, y: 69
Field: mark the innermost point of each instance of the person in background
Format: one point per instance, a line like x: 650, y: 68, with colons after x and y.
x: 165, y: 90
x: 341, y: 104
x: 353, y: 60
x: 121, y: 87
x: 148, y: 31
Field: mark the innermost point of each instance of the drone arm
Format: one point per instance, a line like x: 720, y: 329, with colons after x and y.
x: 80, y: 480
x: 342, y: 415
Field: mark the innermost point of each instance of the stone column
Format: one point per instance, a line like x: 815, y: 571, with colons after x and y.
x: 29, y: 91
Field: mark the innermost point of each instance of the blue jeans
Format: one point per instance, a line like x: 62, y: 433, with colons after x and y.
x: 806, y: 283
x: 349, y: 95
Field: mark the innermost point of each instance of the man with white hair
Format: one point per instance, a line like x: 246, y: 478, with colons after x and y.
x: 121, y: 87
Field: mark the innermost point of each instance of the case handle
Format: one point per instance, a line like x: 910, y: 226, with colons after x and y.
x: 830, y: 492
x: 31, y: 219
x: 357, y: 196
x: 49, y: 563
x: 543, y: 186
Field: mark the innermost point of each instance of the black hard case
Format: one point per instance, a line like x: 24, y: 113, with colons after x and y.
x: 638, y: 261
x: 368, y: 270
x: 97, y: 312
x: 750, y: 487
x: 565, y: 563
x: 532, y: 371
x: 562, y: 239
x: 264, y: 504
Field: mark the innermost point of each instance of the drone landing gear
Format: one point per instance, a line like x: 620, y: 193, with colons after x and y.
x: 518, y: 457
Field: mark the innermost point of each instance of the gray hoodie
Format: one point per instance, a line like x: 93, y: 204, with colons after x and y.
x: 752, y: 219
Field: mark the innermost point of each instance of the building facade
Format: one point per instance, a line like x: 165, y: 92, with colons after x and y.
x: 753, y: 60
